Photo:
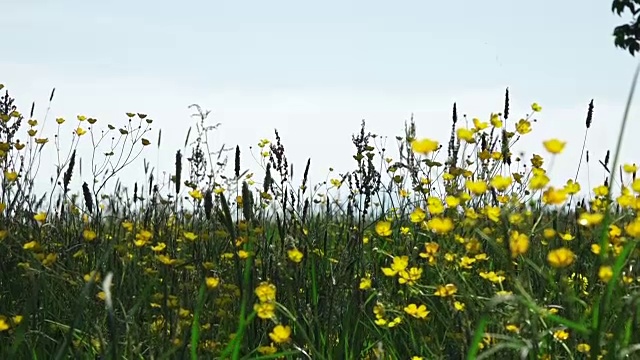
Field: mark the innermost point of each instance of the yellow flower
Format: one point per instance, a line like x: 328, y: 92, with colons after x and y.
x: 80, y: 131
x: 629, y: 168
x: 446, y: 290
x: 516, y: 218
x: 572, y: 187
x: 440, y: 225
x: 583, y: 348
x: 477, y: 187
x: 365, y: 283
x: 588, y: 219
x: 465, y: 135
x: 410, y: 277
x: 92, y: 275
x: 495, y: 121
x: 512, y: 328
x: 397, y: 320
x: 539, y: 181
x: 452, y: 201
x: 479, y: 125
x: 561, y: 257
x: 383, y: 228
x: 267, y: 350
x: 601, y: 190
x: 501, y: 183
x: 127, y: 225
x: 89, y: 235
x: 518, y: 244
x: 548, y: 233
x: 266, y: 292
x: 633, y: 228
x: 417, y: 216
x: 493, y: 213
x: 159, y: 247
x: 184, y: 313
x: 424, y: 146
x: 626, y: 199
x: 49, y: 259
x: 554, y: 197
x: 605, y: 273
x: 11, y: 176
x: 535, y: 107
x: 435, y: 205
x: 60, y: 121
x: 265, y: 310
x: 459, y: 306
x: 399, y: 264
x: 554, y: 146
x: 492, y: 276
x: 42, y: 141
x: 567, y: 236
x: 212, y: 282
x: 295, y: 255
x: 196, y: 194
x: 166, y: 260
x: 280, y: 334
x: 523, y: 127
x: 142, y: 238
x: 431, y: 249
x: 189, y: 235
x: 561, y: 335
x: 4, y: 325
x: 31, y: 245
x: 40, y: 217
x: 418, y: 312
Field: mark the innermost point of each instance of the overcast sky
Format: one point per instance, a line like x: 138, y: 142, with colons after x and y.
x: 314, y: 70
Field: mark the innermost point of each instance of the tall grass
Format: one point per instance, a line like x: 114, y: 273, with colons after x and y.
x: 451, y: 251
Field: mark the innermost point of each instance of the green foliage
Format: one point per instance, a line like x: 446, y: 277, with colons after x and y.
x: 627, y: 36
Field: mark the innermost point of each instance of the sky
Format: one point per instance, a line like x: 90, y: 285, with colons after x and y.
x: 315, y: 70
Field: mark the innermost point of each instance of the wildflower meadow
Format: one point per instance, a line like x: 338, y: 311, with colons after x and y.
x: 456, y: 249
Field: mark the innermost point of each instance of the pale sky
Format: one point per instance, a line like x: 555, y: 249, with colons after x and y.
x: 314, y: 70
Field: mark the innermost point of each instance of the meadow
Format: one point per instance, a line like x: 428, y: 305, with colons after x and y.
x: 461, y: 250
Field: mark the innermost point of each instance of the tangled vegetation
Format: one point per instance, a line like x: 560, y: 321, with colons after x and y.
x: 475, y: 256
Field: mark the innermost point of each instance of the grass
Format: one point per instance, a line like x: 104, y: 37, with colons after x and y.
x: 453, y: 251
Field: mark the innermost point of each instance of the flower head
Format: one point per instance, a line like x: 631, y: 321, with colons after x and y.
x: 424, y: 146
x: 554, y: 146
x: 561, y: 257
x: 280, y: 334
